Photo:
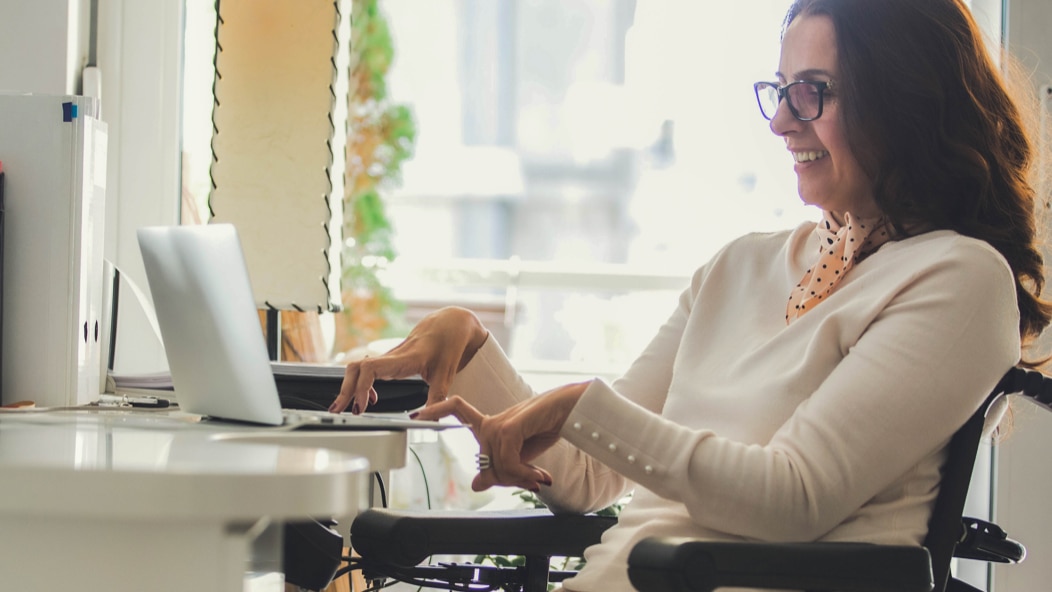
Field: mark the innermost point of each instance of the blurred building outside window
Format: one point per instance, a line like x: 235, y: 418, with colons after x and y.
x: 577, y: 160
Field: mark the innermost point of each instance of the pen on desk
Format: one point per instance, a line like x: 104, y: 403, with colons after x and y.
x: 129, y: 401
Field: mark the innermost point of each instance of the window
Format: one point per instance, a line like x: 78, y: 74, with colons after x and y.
x: 575, y: 161
x: 571, y: 153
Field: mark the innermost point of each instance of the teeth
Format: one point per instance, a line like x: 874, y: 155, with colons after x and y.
x: 809, y: 156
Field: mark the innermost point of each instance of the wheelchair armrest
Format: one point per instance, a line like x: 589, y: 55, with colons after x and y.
x: 986, y: 541
x: 406, y: 538
x: 683, y: 564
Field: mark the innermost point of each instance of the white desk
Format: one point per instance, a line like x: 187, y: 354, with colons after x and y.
x: 113, y: 502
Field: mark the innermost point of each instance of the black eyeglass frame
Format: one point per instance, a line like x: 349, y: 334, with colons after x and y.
x: 783, y: 93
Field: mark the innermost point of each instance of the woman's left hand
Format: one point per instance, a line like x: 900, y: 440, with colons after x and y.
x: 514, y: 437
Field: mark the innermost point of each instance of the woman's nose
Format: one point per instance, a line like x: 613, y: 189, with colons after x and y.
x: 783, y: 121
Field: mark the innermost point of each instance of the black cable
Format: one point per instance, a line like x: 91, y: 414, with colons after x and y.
x: 344, y: 571
x: 383, y: 490
x: 354, y: 563
x: 423, y: 473
x: 406, y: 576
x: 425, y: 583
x: 382, y: 586
x: 291, y: 402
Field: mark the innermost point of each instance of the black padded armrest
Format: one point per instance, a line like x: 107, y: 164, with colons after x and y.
x: 407, y: 538
x: 681, y: 564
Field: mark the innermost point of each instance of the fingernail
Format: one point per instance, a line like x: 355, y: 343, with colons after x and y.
x: 414, y: 415
x: 535, y: 489
x: 354, y: 408
x: 547, y: 482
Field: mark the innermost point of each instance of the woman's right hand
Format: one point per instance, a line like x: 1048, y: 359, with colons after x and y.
x: 440, y: 345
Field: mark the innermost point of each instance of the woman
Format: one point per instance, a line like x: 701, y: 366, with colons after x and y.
x: 808, y: 383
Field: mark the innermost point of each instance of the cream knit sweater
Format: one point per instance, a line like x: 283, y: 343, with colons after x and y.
x: 733, y: 426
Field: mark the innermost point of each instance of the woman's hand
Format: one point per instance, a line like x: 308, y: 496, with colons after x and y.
x: 514, y: 437
x: 437, y: 348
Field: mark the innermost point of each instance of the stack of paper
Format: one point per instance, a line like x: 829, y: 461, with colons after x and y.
x: 300, y: 386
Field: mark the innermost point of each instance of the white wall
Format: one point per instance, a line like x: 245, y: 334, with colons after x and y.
x: 43, y: 49
x: 140, y: 48
x: 1023, y: 479
x: 43, y: 45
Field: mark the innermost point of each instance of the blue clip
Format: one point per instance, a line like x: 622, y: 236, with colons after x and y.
x: 69, y: 112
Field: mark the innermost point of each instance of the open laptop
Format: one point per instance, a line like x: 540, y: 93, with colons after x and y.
x: 212, y: 336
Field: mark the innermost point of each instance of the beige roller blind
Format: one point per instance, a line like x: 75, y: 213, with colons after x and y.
x: 278, y: 143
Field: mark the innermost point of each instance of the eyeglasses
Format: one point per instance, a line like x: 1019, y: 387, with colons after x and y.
x: 804, y: 98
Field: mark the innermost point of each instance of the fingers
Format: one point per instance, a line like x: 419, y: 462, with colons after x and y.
x: 439, y: 372
x: 531, y: 478
x: 438, y: 385
x: 437, y: 347
x: 350, y: 380
x: 507, y: 468
x: 348, y: 396
x: 488, y: 478
x: 503, y: 438
x: 357, y: 392
x: 456, y: 407
x: 501, y: 441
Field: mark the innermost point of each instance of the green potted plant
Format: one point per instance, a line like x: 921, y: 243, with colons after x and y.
x: 381, y: 137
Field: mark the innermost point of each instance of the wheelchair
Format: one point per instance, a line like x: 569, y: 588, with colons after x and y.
x: 394, y: 545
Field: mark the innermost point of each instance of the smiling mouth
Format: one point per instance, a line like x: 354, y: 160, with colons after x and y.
x: 810, y: 156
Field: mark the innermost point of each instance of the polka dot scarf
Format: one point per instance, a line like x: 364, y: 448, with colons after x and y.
x: 841, y: 246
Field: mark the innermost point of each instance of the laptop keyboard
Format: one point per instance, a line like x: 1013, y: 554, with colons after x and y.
x: 310, y: 416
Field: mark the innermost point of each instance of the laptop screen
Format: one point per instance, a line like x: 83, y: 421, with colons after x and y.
x: 209, y: 324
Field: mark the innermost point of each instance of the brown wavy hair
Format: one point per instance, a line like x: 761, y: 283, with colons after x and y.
x: 931, y: 120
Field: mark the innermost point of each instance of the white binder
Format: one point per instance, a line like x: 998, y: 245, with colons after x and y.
x: 53, y: 149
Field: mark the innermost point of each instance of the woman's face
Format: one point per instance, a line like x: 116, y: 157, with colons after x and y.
x: 828, y: 176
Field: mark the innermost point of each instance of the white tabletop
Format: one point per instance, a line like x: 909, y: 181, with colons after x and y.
x: 130, y: 501
x: 134, y: 465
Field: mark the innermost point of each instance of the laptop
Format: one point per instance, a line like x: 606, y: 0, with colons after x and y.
x: 212, y: 336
